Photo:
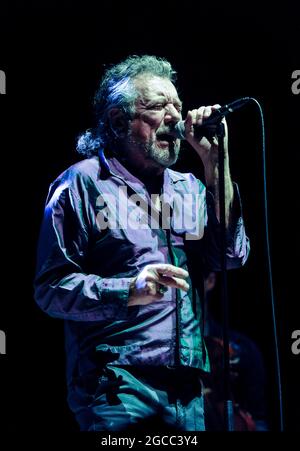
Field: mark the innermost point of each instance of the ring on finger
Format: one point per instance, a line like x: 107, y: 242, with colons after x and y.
x: 162, y: 289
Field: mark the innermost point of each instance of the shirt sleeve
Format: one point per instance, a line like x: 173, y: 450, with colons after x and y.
x: 237, y: 242
x: 62, y: 288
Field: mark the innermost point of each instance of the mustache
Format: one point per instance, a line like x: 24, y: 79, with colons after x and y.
x: 167, y: 132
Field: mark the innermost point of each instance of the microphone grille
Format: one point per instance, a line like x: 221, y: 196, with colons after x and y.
x: 179, y: 130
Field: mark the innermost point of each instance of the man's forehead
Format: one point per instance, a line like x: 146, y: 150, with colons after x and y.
x: 152, y: 85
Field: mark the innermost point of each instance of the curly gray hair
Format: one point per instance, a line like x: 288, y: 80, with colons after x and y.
x: 117, y: 90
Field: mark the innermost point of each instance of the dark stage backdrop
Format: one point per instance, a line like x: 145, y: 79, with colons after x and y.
x: 53, y: 53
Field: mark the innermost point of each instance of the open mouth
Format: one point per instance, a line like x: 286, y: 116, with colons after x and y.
x: 166, y: 139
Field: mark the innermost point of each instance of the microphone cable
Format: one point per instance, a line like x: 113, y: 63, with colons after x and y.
x: 269, y: 265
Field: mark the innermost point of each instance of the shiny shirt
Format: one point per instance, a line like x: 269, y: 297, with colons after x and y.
x: 85, y: 269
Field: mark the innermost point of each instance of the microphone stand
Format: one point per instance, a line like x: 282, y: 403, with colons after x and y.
x: 228, y: 405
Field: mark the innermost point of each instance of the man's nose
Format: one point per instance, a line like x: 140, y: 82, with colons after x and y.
x: 172, y: 114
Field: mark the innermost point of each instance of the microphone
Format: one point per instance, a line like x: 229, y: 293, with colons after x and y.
x: 215, y: 117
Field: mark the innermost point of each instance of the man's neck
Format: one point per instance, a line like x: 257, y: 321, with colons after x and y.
x: 154, y: 185
x: 152, y: 177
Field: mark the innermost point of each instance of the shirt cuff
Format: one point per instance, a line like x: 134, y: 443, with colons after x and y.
x: 237, y: 243
x: 114, y: 296
x: 236, y: 208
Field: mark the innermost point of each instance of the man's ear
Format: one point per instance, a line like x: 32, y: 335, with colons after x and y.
x: 118, y: 122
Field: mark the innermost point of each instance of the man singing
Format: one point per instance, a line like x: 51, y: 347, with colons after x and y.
x: 122, y: 249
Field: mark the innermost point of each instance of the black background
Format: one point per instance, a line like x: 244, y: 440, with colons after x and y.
x: 53, y: 53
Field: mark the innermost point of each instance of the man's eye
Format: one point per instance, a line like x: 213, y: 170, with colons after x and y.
x: 157, y: 106
x: 160, y: 106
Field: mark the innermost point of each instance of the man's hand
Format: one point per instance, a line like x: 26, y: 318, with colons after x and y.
x: 153, y: 281
x: 207, y: 149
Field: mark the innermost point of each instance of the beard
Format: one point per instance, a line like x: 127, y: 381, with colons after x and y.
x: 163, y: 156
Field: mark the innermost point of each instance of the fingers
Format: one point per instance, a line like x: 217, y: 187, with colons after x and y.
x: 173, y: 282
x: 153, y: 290
x: 204, y: 140
x: 168, y: 275
x: 154, y: 280
x: 201, y: 114
x: 188, y: 123
x: 169, y: 270
x: 197, y: 116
